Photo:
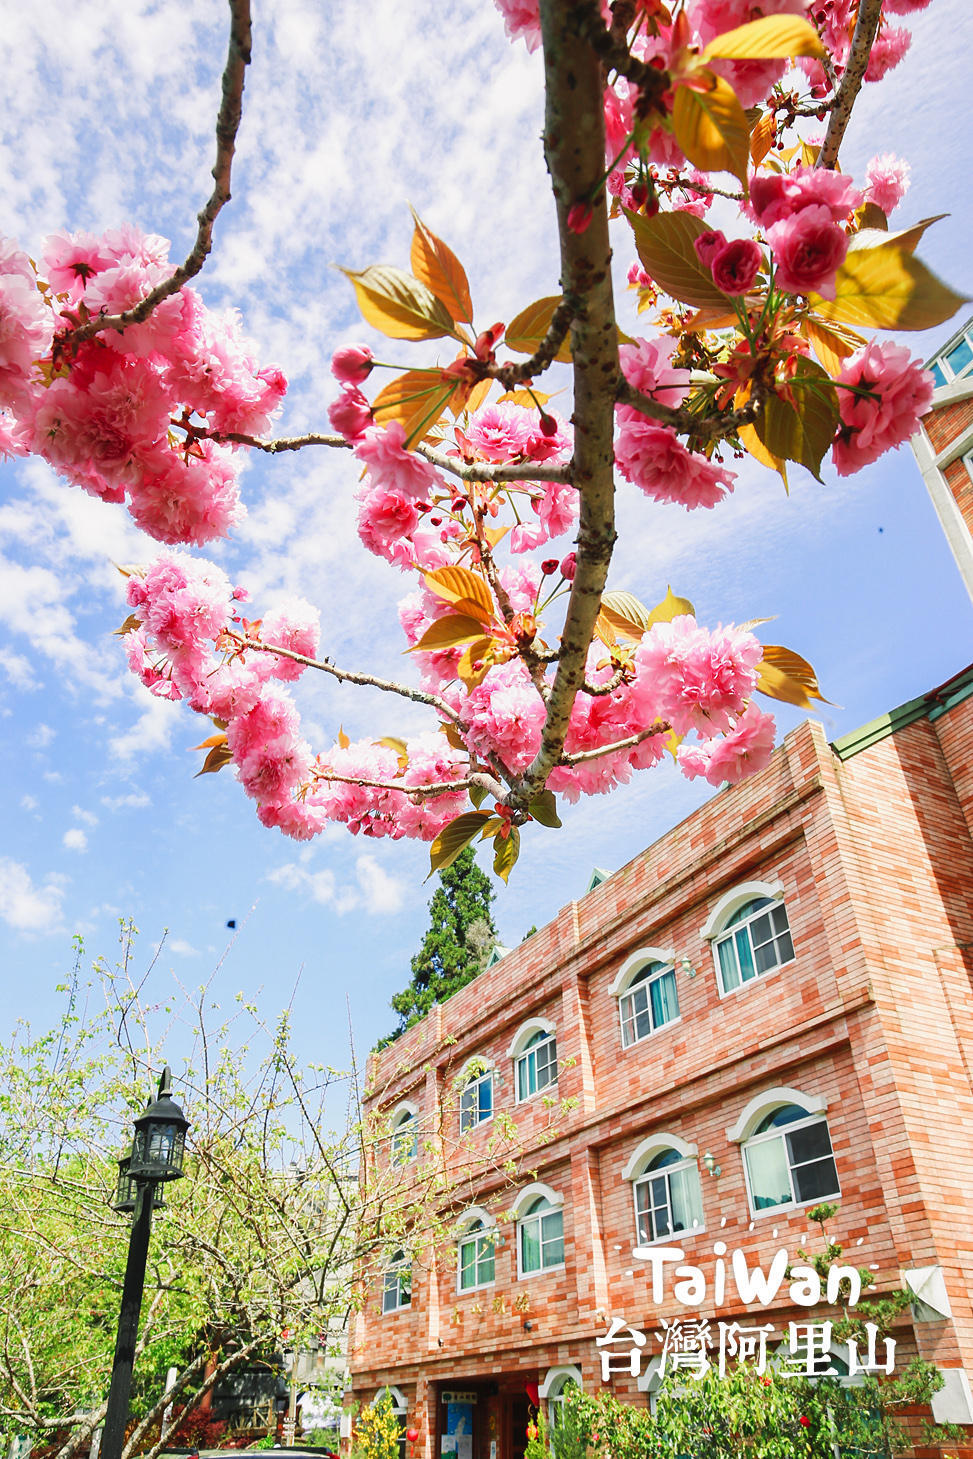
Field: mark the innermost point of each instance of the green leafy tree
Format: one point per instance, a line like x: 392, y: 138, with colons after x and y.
x: 459, y: 940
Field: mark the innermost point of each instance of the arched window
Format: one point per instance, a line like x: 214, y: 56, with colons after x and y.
x: 537, y: 1066
x: 395, y: 1400
x: 646, y: 993
x: 404, y: 1142
x: 540, y: 1230
x: 397, y: 1283
x: 476, y: 1095
x: 556, y: 1386
x: 789, y: 1160
x: 666, y: 1189
x: 475, y: 1249
x: 750, y: 934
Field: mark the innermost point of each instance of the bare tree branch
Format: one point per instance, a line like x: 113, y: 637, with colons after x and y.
x: 227, y: 126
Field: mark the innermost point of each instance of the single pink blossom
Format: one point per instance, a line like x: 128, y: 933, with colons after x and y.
x: 886, y: 181
x: 385, y: 518
x: 352, y: 364
x: 736, y: 265
x: 296, y: 625
x: 729, y: 758
x: 694, y: 677
x: 350, y: 414
x: 888, y: 49
x: 809, y: 248
x: 900, y: 391
x: 499, y: 433
x: 653, y: 458
x: 521, y: 21
x: 647, y: 364
x: 382, y: 451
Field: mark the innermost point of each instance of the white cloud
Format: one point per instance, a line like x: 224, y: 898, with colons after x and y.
x: 74, y: 840
x: 87, y: 817
x: 24, y: 906
x: 19, y: 670
x: 151, y: 732
x: 41, y: 737
x: 134, y: 800
x: 375, y: 891
x: 28, y: 803
x: 181, y: 948
x: 382, y: 893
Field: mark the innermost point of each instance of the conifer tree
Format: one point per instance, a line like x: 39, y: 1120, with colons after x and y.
x: 458, y: 942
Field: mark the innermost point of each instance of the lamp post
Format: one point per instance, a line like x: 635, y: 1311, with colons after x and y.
x: 156, y: 1157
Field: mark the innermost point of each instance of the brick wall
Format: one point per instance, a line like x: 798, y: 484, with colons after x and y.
x: 873, y: 1018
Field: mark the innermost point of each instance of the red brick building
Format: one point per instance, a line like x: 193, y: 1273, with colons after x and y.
x: 943, y: 446
x: 770, y: 1006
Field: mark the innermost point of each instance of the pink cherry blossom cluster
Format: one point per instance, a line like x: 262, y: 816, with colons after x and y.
x: 410, y: 515
x: 801, y: 213
x: 124, y: 413
x: 189, y: 644
x: 651, y: 455
x: 890, y: 391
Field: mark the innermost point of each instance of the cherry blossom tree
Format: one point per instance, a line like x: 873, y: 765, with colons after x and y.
x: 538, y: 682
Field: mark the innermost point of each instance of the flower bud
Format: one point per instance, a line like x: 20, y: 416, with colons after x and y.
x: 568, y: 566
x: 549, y: 566
x: 352, y: 364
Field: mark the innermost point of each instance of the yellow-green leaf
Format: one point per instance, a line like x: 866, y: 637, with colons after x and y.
x: 478, y: 794
x: 477, y: 661
x: 904, y: 238
x: 448, y: 632
x: 208, y: 744
x: 783, y: 674
x: 665, y: 246
x: 544, y: 809
x: 751, y: 442
x: 627, y: 616
x: 771, y: 38
x: 804, y: 433
x: 670, y: 607
x: 491, y: 827
x: 603, y: 629
x: 417, y: 399
x: 529, y: 399
x: 710, y: 126
x: 399, y: 305
x: 466, y: 589
x: 887, y: 288
x: 506, y: 851
x: 435, y: 264
x: 832, y: 343
x: 343, y: 739
x: 132, y: 622
x: 526, y: 330
x: 453, y: 838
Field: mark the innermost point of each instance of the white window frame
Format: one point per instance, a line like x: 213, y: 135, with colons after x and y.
x: 400, y: 1263
x: 477, y: 1227
x: 404, y: 1118
x: 778, y: 1133
x: 940, y: 360
x: 552, y: 1390
x: 686, y: 1162
x: 531, y: 1051
x: 622, y: 989
x: 478, y: 1075
x: 716, y: 931
x: 523, y: 1215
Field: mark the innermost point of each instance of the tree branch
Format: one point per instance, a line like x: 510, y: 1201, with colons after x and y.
x: 659, y: 728
x: 574, y: 142
x: 866, y: 28
x: 346, y: 676
x: 227, y: 126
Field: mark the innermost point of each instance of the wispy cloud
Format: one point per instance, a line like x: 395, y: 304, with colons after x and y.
x: 25, y: 906
x: 374, y: 889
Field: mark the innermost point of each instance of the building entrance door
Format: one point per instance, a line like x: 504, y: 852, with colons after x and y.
x: 518, y: 1417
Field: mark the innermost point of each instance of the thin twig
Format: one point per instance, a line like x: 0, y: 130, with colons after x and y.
x: 227, y: 126
x: 347, y: 676
x: 659, y: 728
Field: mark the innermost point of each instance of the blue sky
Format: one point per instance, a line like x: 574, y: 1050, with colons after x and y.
x: 109, y: 116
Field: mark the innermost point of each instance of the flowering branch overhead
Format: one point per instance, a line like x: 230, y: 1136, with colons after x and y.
x: 538, y: 680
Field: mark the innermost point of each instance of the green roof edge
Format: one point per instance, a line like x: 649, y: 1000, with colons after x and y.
x: 928, y: 706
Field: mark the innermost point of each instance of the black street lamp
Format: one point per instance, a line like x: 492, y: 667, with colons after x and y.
x: 156, y: 1157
